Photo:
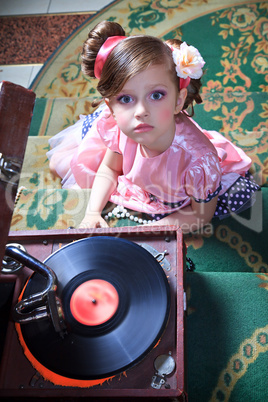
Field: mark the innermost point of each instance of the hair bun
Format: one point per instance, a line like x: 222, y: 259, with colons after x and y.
x: 96, y: 37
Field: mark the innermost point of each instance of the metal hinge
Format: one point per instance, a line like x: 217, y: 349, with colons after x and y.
x: 164, y: 365
x: 9, y: 167
x: 185, y: 301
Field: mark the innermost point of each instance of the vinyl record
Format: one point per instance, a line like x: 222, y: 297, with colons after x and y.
x: 116, y: 302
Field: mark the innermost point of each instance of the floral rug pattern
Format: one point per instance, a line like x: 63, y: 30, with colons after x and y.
x: 235, y: 84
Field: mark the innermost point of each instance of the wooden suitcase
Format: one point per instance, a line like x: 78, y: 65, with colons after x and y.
x: 16, y: 108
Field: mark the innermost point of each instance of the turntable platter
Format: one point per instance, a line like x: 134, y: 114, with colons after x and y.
x: 116, y: 302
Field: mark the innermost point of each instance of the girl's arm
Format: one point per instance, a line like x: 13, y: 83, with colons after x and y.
x: 104, y: 184
x: 191, y: 218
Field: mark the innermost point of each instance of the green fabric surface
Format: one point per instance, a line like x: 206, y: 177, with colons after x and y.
x: 227, y: 337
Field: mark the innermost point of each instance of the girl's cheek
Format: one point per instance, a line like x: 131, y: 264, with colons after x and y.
x: 121, y: 119
x: 166, y: 114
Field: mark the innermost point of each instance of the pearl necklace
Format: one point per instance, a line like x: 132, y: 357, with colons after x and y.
x: 120, y: 212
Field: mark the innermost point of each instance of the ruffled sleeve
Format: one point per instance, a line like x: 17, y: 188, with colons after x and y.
x: 203, y: 178
x: 232, y: 158
x: 86, y: 160
x: 109, y: 131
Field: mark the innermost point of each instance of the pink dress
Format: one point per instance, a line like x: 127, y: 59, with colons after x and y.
x: 199, y: 164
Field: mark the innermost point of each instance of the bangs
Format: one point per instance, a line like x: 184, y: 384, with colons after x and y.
x: 129, y: 58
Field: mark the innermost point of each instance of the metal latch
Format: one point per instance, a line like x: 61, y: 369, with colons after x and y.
x: 164, y: 365
x: 160, y: 257
x: 9, y: 167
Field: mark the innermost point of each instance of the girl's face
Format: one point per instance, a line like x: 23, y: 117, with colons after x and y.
x: 145, y: 109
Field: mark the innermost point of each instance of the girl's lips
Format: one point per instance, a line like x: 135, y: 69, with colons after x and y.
x: 143, y: 128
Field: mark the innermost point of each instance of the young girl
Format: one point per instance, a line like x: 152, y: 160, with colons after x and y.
x: 140, y: 149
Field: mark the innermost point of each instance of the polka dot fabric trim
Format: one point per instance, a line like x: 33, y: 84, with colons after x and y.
x: 170, y: 204
x: 210, y: 196
x: 88, y: 121
x: 237, y: 198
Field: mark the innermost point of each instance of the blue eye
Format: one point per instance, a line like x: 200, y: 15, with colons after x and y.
x: 157, y: 95
x: 125, y: 99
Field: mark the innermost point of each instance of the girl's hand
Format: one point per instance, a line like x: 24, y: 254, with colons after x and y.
x: 93, y: 220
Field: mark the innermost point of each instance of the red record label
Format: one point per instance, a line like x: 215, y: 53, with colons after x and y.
x: 94, y: 302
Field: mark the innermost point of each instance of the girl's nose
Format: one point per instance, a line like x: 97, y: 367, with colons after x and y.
x: 141, y: 110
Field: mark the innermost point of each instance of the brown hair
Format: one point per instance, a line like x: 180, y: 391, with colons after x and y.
x: 130, y: 57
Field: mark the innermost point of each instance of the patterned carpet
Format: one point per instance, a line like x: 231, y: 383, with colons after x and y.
x: 227, y: 328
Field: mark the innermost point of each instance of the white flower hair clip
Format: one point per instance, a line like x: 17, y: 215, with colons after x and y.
x: 188, y: 61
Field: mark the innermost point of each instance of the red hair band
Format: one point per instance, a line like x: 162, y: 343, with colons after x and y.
x: 104, y: 52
